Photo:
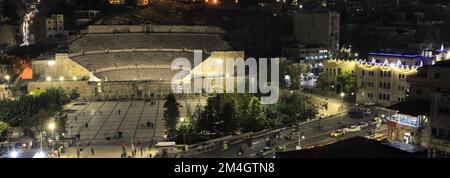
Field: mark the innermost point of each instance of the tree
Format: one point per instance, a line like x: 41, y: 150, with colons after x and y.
x: 252, y: 115
x: 171, y: 113
x: 74, y: 94
x: 3, y: 130
x: 348, y: 81
x: 323, y: 82
x: 293, y: 71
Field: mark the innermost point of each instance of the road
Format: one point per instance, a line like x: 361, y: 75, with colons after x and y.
x: 313, y: 136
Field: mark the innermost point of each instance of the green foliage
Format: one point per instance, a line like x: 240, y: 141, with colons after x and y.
x: 348, y: 81
x: 3, y: 129
x: 34, y: 111
x: 74, y: 94
x: 292, y: 70
x: 323, y: 82
x: 171, y: 113
x: 225, y: 114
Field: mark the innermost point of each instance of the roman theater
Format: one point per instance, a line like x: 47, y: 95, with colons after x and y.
x: 131, y: 61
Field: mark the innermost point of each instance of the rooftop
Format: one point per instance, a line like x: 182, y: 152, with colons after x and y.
x: 412, y: 107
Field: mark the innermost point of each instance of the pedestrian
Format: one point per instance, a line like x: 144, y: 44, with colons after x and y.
x: 86, y: 125
x: 119, y: 111
x: 76, y: 118
x: 92, y: 151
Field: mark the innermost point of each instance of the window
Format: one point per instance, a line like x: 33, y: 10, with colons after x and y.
x: 401, y: 76
x: 388, y: 97
x: 381, y: 73
x: 380, y: 96
x: 363, y: 73
x: 380, y: 85
x: 437, y: 75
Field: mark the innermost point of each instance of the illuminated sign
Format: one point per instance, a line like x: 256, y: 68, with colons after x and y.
x: 405, y: 120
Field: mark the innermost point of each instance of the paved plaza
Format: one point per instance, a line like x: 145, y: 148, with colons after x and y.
x: 100, y: 123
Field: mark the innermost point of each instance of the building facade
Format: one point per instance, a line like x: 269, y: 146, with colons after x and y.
x: 54, y: 26
x: 381, y: 79
x: 117, y: 2
x: 305, y: 53
x: 431, y: 84
x: 318, y: 29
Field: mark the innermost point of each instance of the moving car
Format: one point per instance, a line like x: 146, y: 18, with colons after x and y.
x: 363, y: 125
x: 337, y: 133
x: 353, y: 128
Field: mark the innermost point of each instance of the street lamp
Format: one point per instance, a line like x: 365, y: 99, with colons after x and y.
x: 51, y: 126
x: 342, y: 104
x: 48, y: 79
x: 61, y: 78
x: 7, y: 77
x: 182, y: 119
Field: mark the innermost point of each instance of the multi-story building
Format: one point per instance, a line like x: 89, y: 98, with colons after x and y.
x: 442, y: 54
x: 381, y: 79
x: 117, y: 2
x: 320, y: 29
x: 431, y: 84
x: 54, y: 25
x: 305, y: 53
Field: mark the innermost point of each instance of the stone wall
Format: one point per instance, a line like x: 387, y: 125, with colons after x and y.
x: 63, y: 67
x: 147, y: 28
x: 108, y: 90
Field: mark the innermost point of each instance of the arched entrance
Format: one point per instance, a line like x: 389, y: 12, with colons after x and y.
x: 338, y: 88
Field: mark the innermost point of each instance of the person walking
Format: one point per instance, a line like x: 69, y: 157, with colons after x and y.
x: 86, y: 125
x: 92, y: 151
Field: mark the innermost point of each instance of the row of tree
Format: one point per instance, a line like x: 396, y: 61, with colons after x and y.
x: 226, y: 114
x: 31, y: 112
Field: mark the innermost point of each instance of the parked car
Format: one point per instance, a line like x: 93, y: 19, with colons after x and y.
x: 366, y: 111
x: 337, y: 133
x: 353, y: 128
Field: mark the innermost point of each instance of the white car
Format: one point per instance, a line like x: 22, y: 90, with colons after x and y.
x: 363, y: 125
x: 353, y: 128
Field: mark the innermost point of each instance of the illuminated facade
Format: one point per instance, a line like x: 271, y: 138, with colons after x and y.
x: 118, y: 2
x: 111, y: 62
x: 381, y: 79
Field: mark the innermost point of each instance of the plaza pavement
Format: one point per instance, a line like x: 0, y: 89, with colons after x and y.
x: 104, y: 121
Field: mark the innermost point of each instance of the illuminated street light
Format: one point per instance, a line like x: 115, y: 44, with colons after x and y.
x: 7, y: 77
x: 61, y: 78
x: 182, y: 119
x: 48, y: 78
x: 342, y: 94
x: 74, y: 78
x: 52, y: 126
